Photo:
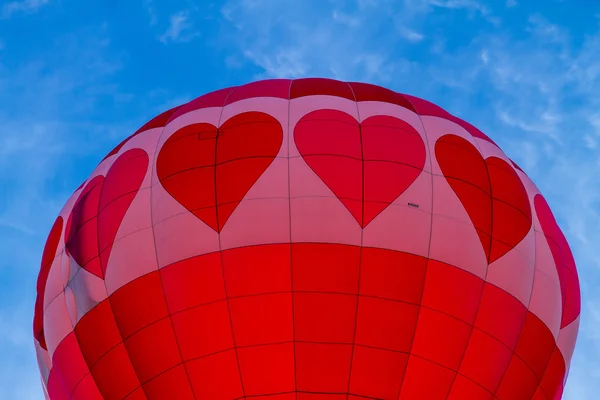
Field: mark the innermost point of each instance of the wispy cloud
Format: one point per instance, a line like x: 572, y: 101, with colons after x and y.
x: 151, y: 11
x: 345, y: 19
x: 411, y: 35
x: 180, y: 29
x: 22, y: 6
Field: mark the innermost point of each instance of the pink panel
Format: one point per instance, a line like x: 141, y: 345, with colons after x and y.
x: 514, y: 272
x: 446, y: 203
x: 312, y: 221
x: 314, y: 206
x: 57, y: 324
x: 567, y: 339
x: 457, y: 243
x: 544, y: 261
x: 67, y: 270
x: 401, y: 226
x: 304, y: 105
x: 273, y: 182
x: 138, y: 215
x: 88, y: 291
x: 372, y: 108
x: 257, y: 221
x: 45, y: 389
x: 131, y: 257
x: 164, y: 206
x: 263, y: 214
x: 171, y: 247
x: 55, y: 283
x: 71, y: 307
x: 44, y: 361
x: 546, y: 301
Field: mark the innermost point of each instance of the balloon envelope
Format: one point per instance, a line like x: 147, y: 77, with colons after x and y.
x: 306, y: 239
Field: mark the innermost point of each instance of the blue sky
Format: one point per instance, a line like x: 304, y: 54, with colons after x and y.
x: 78, y: 76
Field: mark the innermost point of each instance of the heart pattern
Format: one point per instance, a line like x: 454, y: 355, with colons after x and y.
x: 209, y: 170
x: 490, y: 191
x: 563, y: 259
x: 100, y: 208
x: 366, y: 165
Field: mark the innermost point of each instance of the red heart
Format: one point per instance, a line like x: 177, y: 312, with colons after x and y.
x: 367, y: 165
x: 100, y: 208
x: 563, y: 258
x: 491, y: 192
x: 209, y: 170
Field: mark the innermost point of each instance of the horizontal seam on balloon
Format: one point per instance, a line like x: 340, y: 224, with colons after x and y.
x: 313, y: 342
x: 310, y: 392
x: 183, y: 362
x: 528, y: 217
x: 201, y: 167
x: 171, y: 314
x: 331, y: 197
x: 297, y: 243
x: 255, y: 245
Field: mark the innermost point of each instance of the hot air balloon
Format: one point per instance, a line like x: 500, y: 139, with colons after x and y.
x: 306, y: 239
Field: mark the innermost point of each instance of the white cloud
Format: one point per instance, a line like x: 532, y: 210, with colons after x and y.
x: 151, y: 11
x: 180, y: 29
x: 345, y: 19
x: 283, y: 64
x: 411, y: 35
x: 22, y: 6
x: 459, y: 4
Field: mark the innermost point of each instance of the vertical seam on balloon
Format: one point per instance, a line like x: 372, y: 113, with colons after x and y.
x: 63, y: 339
x: 289, y: 139
x: 360, y: 249
x: 237, y: 360
x: 61, y: 255
x: 431, y: 155
x: 152, y: 170
x: 488, y: 257
x: 530, y: 295
x: 567, y: 365
x: 106, y: 288
x: 533, y: 210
